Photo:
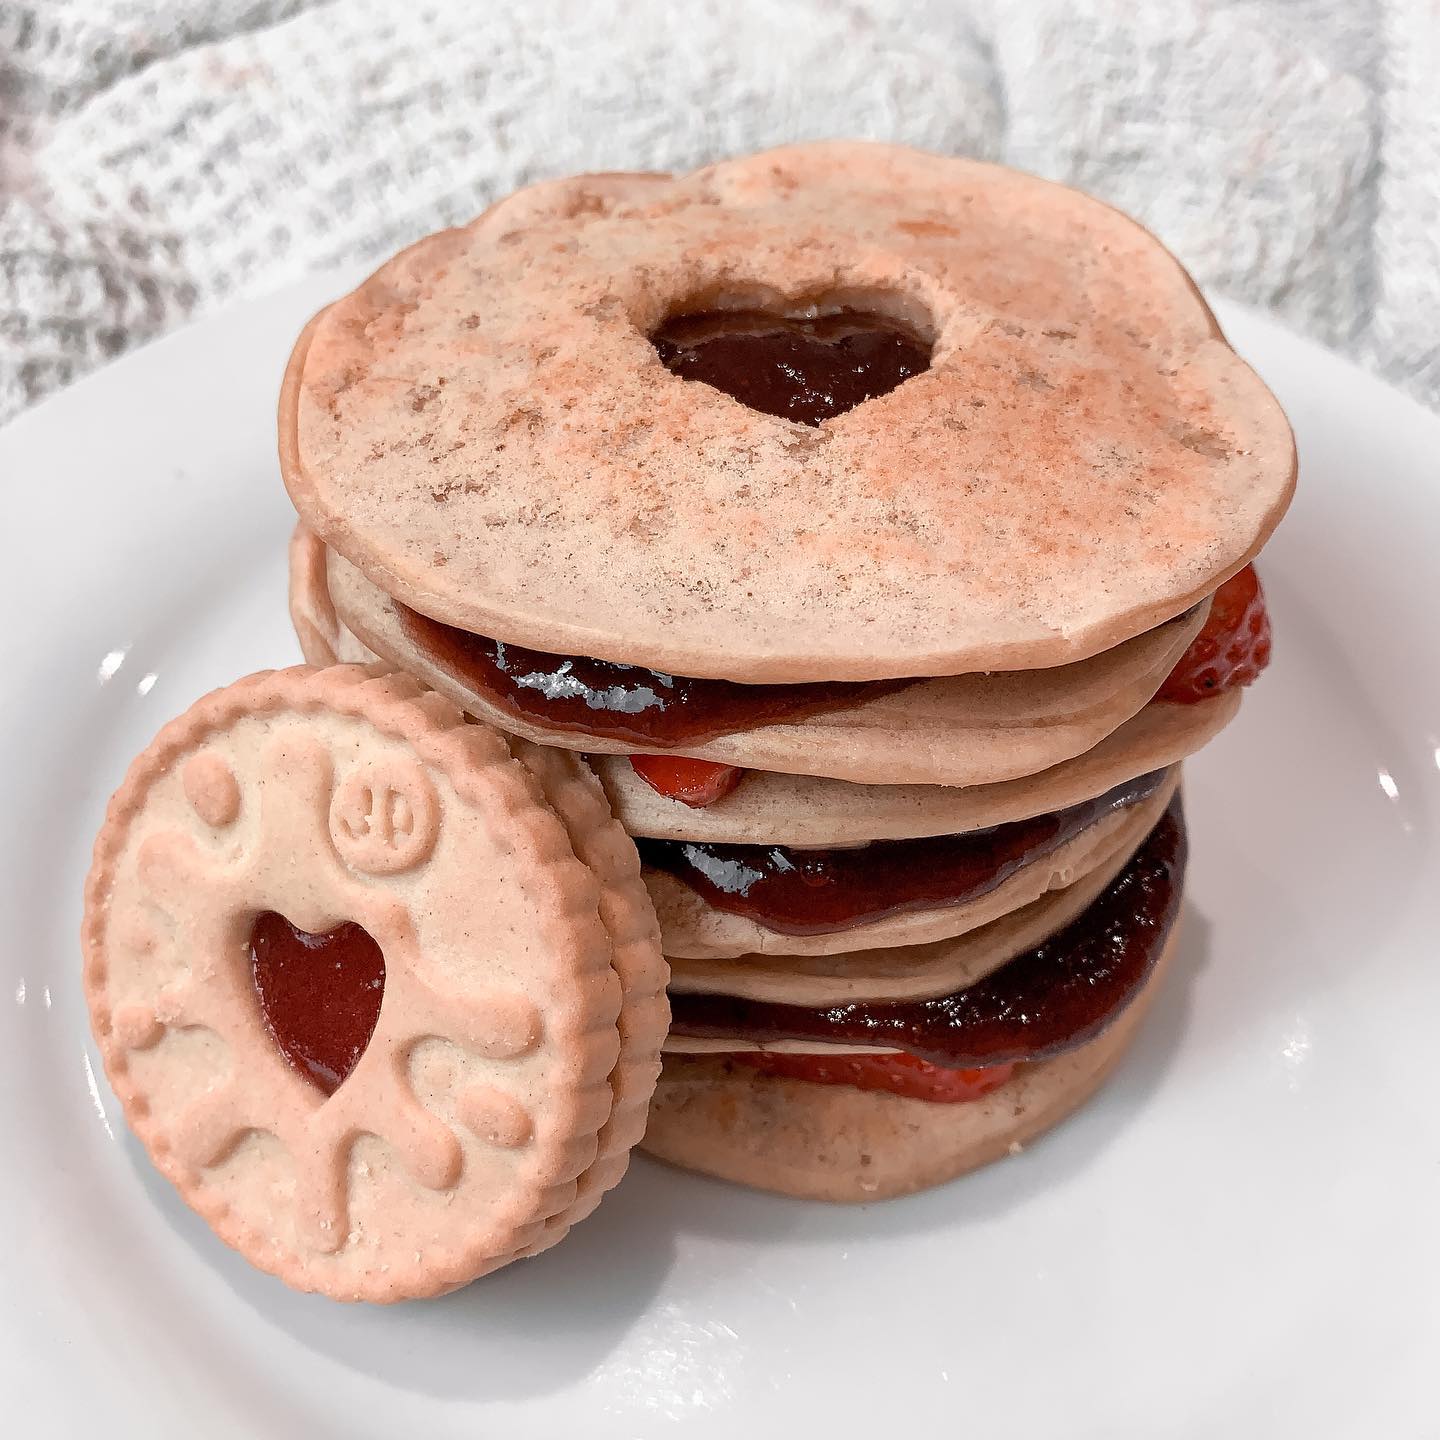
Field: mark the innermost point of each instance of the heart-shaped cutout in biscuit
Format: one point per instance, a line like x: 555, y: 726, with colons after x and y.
x: 320, y: 994
x: 803, y: 368
x: 260, y: 1065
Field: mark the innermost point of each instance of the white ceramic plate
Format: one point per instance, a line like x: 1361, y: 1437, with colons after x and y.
x: 1238, y: 1237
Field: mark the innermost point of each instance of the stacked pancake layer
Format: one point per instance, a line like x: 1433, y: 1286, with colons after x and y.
x: 923, y: 640
x: 716, y: 1113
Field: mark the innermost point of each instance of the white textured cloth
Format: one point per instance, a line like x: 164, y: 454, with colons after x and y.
x: 160, y: 158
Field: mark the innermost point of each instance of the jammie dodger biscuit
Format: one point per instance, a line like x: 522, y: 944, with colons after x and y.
x: 356, y: 992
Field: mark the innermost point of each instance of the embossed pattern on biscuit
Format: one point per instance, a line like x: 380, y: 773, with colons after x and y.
x: 339, y: 796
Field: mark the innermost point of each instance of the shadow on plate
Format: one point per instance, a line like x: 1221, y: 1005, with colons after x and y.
x: 532, y: 1328
x: 543, y: 1324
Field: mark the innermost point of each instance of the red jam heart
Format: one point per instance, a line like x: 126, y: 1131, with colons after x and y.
x: 320, y: 994
x: 806, y: 369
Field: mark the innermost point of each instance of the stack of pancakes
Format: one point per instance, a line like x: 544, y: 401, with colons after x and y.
x: 888, y: 489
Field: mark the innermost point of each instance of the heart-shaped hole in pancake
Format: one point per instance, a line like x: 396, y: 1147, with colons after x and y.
x: 803, y: 368
x: 320, y: 994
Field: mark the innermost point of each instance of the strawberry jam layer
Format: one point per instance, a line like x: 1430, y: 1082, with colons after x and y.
x: 804, y: 369
x: 320, y: 994
x: 695, y: 783
x: 817, y: 892
x: 1048, y: 1000
x: 628, y: 703
x: 905, y: 1075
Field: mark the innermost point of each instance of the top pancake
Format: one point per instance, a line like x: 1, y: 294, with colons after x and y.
x: 484, y: 429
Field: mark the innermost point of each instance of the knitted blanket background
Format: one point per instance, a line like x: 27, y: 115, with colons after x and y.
x: 162, y: 158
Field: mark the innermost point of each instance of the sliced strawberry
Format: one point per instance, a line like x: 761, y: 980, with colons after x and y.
x: 691, y: 782
x: 1232, y: 649
x: 898, y: 1074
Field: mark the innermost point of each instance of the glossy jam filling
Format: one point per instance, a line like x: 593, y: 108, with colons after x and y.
x: 905, y: 1075
x: 695, y: 783
x: 806, y: 370
x: 320, y: 994
x: 1050, y: 999
x: 620, y: 702
x: 817, y: 892
x: 639, y: 706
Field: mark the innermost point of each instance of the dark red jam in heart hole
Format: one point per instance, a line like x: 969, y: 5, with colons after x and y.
x: 620, y: 702
x: 817, y: 892
x: 320, y: 994
x: 1050, y: 999
x: 803, y: 369
x: 807, y: 370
